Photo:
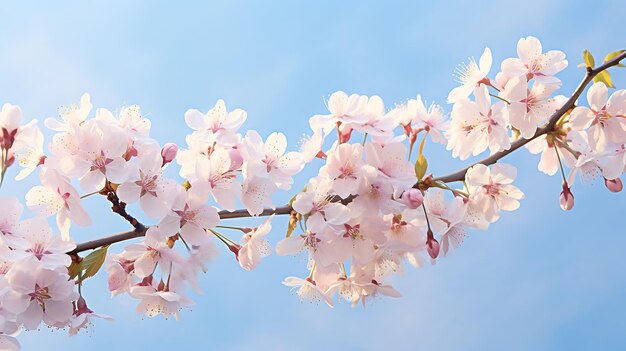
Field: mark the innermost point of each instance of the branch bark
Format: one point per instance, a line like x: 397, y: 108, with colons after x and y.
x: 452, y: 177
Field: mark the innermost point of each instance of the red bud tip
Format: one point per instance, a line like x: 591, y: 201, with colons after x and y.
x: 566, y: 199
x: 614, y: 185
x: 432, y: 246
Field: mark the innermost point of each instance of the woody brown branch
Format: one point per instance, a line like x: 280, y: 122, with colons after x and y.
x: 459, y: 175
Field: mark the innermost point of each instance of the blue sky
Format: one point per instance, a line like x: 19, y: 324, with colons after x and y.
x: 538, y: 279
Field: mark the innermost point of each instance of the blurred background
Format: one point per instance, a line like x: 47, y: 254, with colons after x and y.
x: 539, y: 279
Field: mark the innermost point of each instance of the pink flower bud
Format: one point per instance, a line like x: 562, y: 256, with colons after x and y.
x: 432, y: 245
x: 614, y: 185
x: 168, y: 153
x: 413, y: 198
x: 566, y: 198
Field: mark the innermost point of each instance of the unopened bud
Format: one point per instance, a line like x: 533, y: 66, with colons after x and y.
x: 567, y: 198
x: 168, y: 153
x: 413, y: 198
x: 614, y: 185
x: 432, y: 246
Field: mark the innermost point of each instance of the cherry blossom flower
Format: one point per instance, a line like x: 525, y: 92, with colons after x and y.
x: 316, y: 203
x: 152, y: 252
x: 311, y: 146
x: 326, y: 248
x: 216, y: 175
x: 82, y: 316
x: 119, y: 271
x: 129, y: 119
x: 307, y: 290
x: 604, y: 119
x: 491, y: 189
x: 57, y: 196
x: 391, y: 164
x: 528, y: 108
x: 146, y: 183
x: 375, y: 192
x: 190, y: 216
x: 470, y: 76
x: 432, y: 120
x: 269, y: 159
x: 477, y: 126
x: 534, y: 64
x: 159, y: 300
x: 255, y: 193
x: 344, y: 166
x: 376, y: 123
x: 34, y: 241
x: 30, y: 154
x: 72, y: 116
x: 254, y: 246
x: 218, y: 124
x: 12, y: 134
x: 99, y: 158
x: 39, y: 293
x: 343, y: 109
x: 613, y: 164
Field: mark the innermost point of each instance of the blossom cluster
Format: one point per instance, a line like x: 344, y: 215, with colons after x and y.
x: 371, y: 209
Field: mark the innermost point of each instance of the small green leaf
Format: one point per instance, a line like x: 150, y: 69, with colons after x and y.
x: 92, y: 263
x: 612, y: 55
x: 588, y: 57
x: 74, y: 269
x: 421, y: 165
x: 605, y: 78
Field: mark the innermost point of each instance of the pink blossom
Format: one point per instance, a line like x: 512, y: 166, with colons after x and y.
x: 491, y: 189
x: 39, y: 294
x: 534, y: 64
x: 308, y: 290
x: 218, y: 124
x: 190, y: 216
x: 477, y: 126
x: 254, y: 246
x: 34, y: 242
x: 470, y: 76
x: 57, y: 196
x: 604, y: 119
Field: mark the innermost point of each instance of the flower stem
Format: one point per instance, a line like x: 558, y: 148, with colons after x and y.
x: 499, y: 98
x: 558, y: 156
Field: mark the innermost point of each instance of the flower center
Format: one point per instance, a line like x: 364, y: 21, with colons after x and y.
x: 465, y: 73
x: 40, y: 294
x: 39, y: 249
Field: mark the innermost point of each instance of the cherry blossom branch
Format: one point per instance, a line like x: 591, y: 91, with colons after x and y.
x: 140, y: 229
x: 569, y: 104
x: 120, y: 208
